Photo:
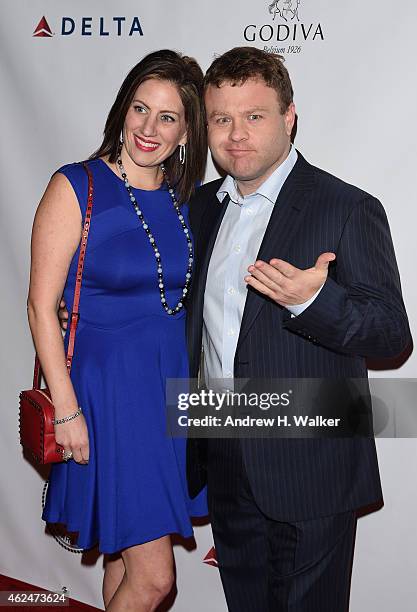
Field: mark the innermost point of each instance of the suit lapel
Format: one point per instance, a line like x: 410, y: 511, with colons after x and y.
x: 205, y: 239
x: 287, y: 215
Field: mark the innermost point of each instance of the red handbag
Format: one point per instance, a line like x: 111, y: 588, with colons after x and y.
x: 36, y: 410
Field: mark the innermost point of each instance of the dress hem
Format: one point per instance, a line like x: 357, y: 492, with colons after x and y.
x: 111, y: 549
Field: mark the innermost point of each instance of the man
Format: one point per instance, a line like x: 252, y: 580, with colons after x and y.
x: 295, y: 276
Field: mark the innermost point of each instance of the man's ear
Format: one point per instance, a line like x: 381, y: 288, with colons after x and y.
x: 289, y: 117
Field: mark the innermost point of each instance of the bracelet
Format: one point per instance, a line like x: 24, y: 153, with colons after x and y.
x: 67, y: 418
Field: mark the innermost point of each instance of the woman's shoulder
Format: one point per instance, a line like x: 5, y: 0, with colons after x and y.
x: 75, y: 171
x: 76, y: 175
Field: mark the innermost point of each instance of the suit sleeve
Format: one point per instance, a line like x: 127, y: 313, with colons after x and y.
x: 360, y: 310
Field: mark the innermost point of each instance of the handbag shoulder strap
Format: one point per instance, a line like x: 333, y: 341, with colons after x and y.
x: 75, y: 315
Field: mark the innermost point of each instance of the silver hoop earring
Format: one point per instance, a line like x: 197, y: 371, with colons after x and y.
x: 121, y: 137
x: 182, y: 153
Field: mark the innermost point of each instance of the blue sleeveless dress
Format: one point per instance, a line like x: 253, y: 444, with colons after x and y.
x: 134, y: 488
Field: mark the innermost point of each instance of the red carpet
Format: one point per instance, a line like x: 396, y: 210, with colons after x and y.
x: 10, y: 584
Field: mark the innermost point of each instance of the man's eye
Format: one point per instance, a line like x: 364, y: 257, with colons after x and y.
x: 254, y: 117
x: 167, y: 118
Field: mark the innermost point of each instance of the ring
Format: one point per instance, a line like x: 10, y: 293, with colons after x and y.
x: 67, y: 455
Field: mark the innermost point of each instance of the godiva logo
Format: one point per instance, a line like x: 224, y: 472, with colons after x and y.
x: 287, y: 32
x: 286, y: 9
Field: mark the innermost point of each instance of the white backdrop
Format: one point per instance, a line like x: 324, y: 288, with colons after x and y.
x: 353, y: 70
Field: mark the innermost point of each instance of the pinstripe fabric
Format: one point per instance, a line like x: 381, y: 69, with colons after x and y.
x: 268, y: 565
x: 359, y: 313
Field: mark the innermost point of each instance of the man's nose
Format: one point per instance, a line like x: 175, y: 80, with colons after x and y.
x: 238, y: 131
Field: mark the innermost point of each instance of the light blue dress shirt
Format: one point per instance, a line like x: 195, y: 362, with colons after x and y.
x: 237, y: 244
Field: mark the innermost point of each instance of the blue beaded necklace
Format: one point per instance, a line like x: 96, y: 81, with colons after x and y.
x: 152, y: 241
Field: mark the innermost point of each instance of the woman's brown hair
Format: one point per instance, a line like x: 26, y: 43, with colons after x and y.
x: 185, y: 73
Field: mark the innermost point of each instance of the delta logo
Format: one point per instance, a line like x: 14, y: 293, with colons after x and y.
x: 43, y: 30
x: 91, y: 26
x: 210, y: 558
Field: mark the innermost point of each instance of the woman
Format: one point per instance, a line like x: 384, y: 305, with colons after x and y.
x: 124, y: 486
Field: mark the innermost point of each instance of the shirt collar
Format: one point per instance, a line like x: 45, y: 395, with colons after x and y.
x: 269, y: 188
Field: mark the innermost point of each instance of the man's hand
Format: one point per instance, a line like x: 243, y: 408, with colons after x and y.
x: 63, y: 314
x: 286, y: 284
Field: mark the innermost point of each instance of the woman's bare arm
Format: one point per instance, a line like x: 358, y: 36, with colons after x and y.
x: 55, y: 237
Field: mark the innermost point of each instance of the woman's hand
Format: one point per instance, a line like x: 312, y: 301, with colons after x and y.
x: 73, y: 436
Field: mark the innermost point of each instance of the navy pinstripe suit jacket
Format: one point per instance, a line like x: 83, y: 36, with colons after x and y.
x: 359, y: 313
